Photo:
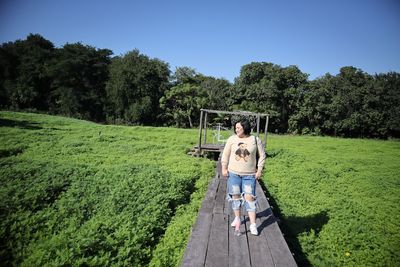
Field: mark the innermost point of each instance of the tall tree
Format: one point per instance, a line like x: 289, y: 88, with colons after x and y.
x: 9, y: 62
x: 202, y: 92
x: 182, y: 103
x: 79, y: 74
x: 135, y: 86
x: 268, y: 88
x: 219, y: 93
x: 184, y: 75
x: 313, y: 113
x: 351, y: 104
x: 23, y: 72
x: 385, y: 120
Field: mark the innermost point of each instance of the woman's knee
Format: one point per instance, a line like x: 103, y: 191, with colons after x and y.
x: 235, y: 200
x: 250, y: 202
x: 249, y: 197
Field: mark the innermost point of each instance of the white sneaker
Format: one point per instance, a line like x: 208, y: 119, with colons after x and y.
x: 233, y: 224
x: 253, y: 229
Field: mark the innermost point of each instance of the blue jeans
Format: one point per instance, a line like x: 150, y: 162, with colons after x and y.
x: 241, y: 185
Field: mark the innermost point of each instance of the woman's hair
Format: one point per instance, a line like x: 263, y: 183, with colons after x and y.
x: 245, y: 124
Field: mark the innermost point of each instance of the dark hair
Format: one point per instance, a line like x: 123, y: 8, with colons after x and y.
x: 245, y: 124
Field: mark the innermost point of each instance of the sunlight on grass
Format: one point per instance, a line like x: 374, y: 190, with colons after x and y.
x: 354, y: 182
x: 83, y: 193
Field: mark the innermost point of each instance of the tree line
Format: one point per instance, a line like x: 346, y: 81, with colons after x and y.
x: 84, y: 82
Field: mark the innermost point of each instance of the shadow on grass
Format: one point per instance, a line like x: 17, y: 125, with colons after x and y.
x: 292, y: 226
x: 14, y: 151
x: 273, y: 153
x: 20, y: 124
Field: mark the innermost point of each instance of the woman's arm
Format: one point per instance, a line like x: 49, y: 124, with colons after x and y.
x: 261, y: 159
x: 225, y: 157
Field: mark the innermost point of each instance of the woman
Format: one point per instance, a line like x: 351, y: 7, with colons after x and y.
x: 239, y: 163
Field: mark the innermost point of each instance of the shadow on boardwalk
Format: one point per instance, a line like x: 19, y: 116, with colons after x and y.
x: 213, y: 243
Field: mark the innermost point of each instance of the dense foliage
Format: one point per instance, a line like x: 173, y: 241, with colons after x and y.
x: 84, y: 82
x: 136, y: 84
x: 77, y: 193
x: 268, y: 88
x: 68, y: 81
x: 78, y: 76
x: 352, y: 104
x: 338, y: 199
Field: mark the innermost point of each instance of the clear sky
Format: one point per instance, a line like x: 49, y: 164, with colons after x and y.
x: 217, y: 37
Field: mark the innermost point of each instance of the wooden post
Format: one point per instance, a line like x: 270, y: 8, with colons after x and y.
x: 200, y: 130
x: 266, y: 131
x: 205, y: 127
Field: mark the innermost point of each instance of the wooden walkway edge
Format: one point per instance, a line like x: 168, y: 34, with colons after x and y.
x: 212, y: 242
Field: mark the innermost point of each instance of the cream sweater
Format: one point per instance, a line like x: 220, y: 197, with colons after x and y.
x: 239, y: 155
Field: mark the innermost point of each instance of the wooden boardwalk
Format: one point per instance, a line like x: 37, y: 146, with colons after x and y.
x: 213, y: 243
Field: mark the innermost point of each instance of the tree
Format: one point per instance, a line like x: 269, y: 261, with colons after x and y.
x: 268, y: 88
x: 202, y: 92
x: 24, y: 81
x: 386, y: 105
x: 219, y: 93
x: 136, y: 84
x: 314, y: 113
x: 184, y: 75
x: 351, y: 104
x: 9, y: 62
x: 183, y: 102
x: 79, y: 74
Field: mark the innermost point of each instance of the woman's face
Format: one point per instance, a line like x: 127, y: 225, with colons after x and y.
x: 239, y: 130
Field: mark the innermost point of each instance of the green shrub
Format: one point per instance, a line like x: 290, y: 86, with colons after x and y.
x: 77, y: 193
x: 337, y: 198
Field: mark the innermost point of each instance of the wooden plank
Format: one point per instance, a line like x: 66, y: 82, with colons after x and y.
x: 261, y: 195
x: 238, y: 248
x: 209, y: 200
x: 260, y: 254
x: 264, y: 211
x: 211, y: 147
x: 219, y: 166
x: 220, y: 198
x: 280, y: 251
x: 270, y: 230
x: 196, y: 249
x: 217, y: 252
x: 248, y: 113
x: 213, y: 242
x: 227, y: 207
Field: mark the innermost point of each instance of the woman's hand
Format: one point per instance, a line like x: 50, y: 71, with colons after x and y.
x: 258, y: 175
x: 225, y: 172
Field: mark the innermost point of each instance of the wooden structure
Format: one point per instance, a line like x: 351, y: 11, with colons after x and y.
x: 203, y: 146
x: 213, y: 243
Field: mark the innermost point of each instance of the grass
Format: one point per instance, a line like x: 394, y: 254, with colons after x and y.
x: 78, y: 193
x: 338, y: 198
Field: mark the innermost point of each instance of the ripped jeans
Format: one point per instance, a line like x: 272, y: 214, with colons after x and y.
x: 241, y: 185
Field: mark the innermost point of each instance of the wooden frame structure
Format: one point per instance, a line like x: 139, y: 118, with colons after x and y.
x: 202, y: 145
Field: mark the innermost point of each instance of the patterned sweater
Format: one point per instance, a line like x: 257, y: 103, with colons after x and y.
x: 239, y: 155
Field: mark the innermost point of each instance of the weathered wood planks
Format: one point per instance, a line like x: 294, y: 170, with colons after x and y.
x: 213, y: 243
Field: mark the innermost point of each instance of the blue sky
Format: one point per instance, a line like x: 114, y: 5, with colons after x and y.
x: 217, y: 37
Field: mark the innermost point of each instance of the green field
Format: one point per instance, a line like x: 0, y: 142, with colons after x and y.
x: 339, y: 198
x: 79, y: 193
